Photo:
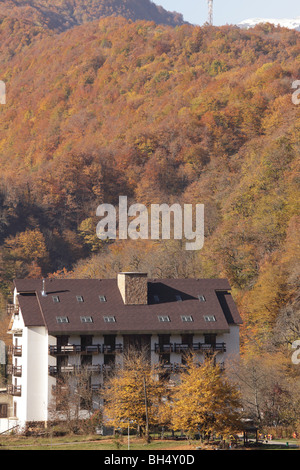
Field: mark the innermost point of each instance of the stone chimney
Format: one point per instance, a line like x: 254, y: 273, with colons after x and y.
x: 133, y: 288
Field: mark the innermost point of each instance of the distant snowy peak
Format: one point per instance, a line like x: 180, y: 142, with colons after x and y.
x: 284, y: 22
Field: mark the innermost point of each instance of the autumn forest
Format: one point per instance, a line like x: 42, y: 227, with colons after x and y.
x: 160, y: 113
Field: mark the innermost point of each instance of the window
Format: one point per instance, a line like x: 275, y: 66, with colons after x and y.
x: 102, y: 298
x: 62, y: 319
x: 209, y: 318
x: 163, y: 318
x: 186, y: 318
x: 201, y: 298
x: 3, y: 410
x: 156, y: 299
x: 178, y: 298
x: 86, y: 319
x: 55, y: 298
x: 109, y: 319
x: 79, y: 298
x: 210, y: 339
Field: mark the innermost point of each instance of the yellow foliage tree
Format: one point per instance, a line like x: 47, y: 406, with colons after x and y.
x: 24, y: 255
x: 205, y: 401
x: 133, y: 394
x: 87, y: 231
x: 29, y: 245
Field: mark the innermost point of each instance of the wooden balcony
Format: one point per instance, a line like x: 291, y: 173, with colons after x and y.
x: 184, y: 347
x: 14, y: 370
x: 76, y: 369
x: 112, y: 349
x: 176, y: 367
x: 71, y: 349
x: 15, y: 350
x: 15, y: 390
x: 163, y: 348
x: 12, y: 309
x: 217, y: 347
x: 66, y: 350
x: 170, y: 368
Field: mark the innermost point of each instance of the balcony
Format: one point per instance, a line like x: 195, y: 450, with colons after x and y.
x: 177, y: 367
x: 112, y: 349
x: 12, y: 309
x: 216, y: 347
x: 163, y: 348
x: 185, y: 347
x: 15, y: 351
x: 15, y: 390
x: 14, y: 370
x: 76, y: 369
x: 70, y: 349
x: 182, y: 347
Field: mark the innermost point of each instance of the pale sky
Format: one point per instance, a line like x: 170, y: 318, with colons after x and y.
x: 232, y: 11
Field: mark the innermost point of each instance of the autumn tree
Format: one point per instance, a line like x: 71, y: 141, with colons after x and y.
x: 205, y: 402
x: 23, y: 255
x: 269, y: 387
x: 87, y: 231
x: 133, y: 394
x: 75, y: 404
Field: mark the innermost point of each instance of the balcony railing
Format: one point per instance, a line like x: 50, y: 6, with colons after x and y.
x: 217, y: 347
x: 73, y: 369
x: 164, y: 348
x: 12, y: 309
x: 15, y: 350
x: 173, y: 367
x: 14, y: 370
x: 15, y: 390
x: 176, y: 367
x: 112, y: 349
x: 69, y: 349
x: 184, y: 347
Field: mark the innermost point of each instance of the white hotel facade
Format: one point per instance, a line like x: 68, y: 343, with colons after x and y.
x: 61, y: 325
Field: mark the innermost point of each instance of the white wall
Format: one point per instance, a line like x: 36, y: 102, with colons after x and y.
x: 35, y: 389
x: 232, y: 340
x: 51, y: 380
x: 7, y: 425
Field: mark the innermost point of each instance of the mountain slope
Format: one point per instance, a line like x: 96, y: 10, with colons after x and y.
x: 60, y: 15
x: 160, y: 114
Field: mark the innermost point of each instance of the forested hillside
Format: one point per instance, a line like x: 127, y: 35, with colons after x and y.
x: 60, y: 15
x: 160, y: 114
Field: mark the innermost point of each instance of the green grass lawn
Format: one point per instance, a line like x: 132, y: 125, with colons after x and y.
x: 95, y: 442
x: 88, y: 443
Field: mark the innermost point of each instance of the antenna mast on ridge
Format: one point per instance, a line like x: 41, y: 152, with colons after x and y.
x: 210, y: 11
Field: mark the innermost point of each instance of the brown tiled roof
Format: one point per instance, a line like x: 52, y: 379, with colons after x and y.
x: 38, y: 310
